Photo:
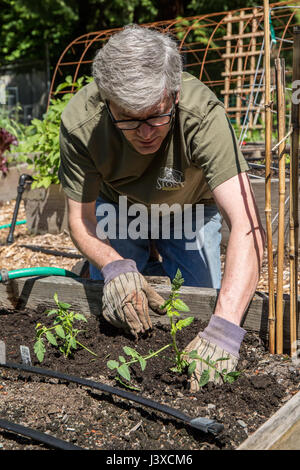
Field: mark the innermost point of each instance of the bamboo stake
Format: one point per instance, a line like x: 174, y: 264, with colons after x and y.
x: 294, y: 175
x: 280, y: 92
x: 268, y: 154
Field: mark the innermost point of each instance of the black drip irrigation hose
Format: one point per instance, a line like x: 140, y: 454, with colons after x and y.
x: 38, y: 436
x: 23, y: 181
x: 205, y: 425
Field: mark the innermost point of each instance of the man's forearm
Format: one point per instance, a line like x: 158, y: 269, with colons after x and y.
x: 84, y: 236
x: 241, y: 275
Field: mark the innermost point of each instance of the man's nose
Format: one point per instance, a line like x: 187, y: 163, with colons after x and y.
x: 145, y: 131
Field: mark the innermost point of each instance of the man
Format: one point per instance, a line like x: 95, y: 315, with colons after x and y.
x: 147, y: 134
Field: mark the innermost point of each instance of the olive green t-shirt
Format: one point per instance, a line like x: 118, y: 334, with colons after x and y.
x: 199, y: 153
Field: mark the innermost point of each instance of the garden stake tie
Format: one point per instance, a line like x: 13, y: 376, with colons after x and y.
x: 203, y: 424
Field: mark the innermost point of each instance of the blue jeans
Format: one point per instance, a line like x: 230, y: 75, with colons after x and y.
x: 200, y: 265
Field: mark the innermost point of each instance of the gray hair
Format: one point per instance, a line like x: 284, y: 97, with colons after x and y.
x: 137, y: 67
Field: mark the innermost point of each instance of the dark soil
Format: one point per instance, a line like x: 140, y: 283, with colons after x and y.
x: 95, y: 420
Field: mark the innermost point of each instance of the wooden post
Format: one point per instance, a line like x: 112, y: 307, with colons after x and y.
x: 268, y: 153
x: 280, y: 93
x: 294, y: 175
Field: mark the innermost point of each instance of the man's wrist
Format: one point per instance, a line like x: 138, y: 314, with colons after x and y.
x: 224, y: 334
x: 115, y: 268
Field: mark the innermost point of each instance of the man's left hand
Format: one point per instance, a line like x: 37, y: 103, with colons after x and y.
x: 218, y: 349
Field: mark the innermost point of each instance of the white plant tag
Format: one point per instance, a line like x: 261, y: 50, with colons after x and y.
x: 2, y: 353
x: 25, y: 355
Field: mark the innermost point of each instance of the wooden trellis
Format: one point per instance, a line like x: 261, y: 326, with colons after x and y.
x: 242, y: 79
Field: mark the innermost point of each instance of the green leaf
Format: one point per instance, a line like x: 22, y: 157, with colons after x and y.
x: 222, y: 359
x: 64, y: 305
x: 79, y: 316
x: 165, y: 305
x: 122, y: 359
x: 142, y: 362
x: 184, y: 322
x: 112, y: 364
x: 73, y: 342
x: 51, y: 312
x: 123, y: 370
x: 60, y: 331
x: 192, y: 368
x: 51, y: 338
x: 131, y: 387
x: 39, y: 350
x: 204, y: 378
x: 181, y: 306
x: 130, y: 351
x: 178, y: 275
x: 231, y: 377
x: 217, y: 374
x: 194, y: 354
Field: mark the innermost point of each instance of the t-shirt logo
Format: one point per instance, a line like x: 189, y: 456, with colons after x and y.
x: 169, y: 179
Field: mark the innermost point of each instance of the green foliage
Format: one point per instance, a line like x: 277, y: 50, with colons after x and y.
x: 27, y: 25
x: 197, y: 34
x: 174, y: 305
x: 9, y: 120
x: 62, y: 334
x: 182, y: 360
x: 41, y: 140
x: 122, y: 366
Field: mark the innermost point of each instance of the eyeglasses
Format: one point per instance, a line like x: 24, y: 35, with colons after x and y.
x: 152, y: 121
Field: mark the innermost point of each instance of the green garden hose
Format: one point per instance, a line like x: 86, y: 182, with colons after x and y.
x: 9, y: 225
x: 40, y: 271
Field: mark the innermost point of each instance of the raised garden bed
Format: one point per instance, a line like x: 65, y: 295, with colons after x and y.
x: 97, y: 420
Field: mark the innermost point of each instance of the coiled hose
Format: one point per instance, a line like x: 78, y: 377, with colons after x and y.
x: 37, y: 271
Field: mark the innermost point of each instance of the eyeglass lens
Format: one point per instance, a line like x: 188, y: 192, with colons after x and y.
x: 154, y: 122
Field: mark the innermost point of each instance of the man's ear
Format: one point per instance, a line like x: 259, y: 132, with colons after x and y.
x: 177, y: 97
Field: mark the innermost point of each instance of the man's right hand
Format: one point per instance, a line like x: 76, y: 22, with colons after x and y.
x: 126, y: 296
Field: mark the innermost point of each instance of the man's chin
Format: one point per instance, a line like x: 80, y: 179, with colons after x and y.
x: 145, y: 149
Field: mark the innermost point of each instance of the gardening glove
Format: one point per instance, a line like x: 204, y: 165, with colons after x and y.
x: 220, y: 339
x: 126, y: 295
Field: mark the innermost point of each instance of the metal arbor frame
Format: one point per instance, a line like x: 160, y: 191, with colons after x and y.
x: 224, y: 50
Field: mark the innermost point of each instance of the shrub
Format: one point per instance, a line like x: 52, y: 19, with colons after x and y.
x: 42, y: 137
x: 6, y: 140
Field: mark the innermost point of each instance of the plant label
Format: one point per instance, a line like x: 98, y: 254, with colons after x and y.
x: 25, y: 355
x: 2, y: 353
